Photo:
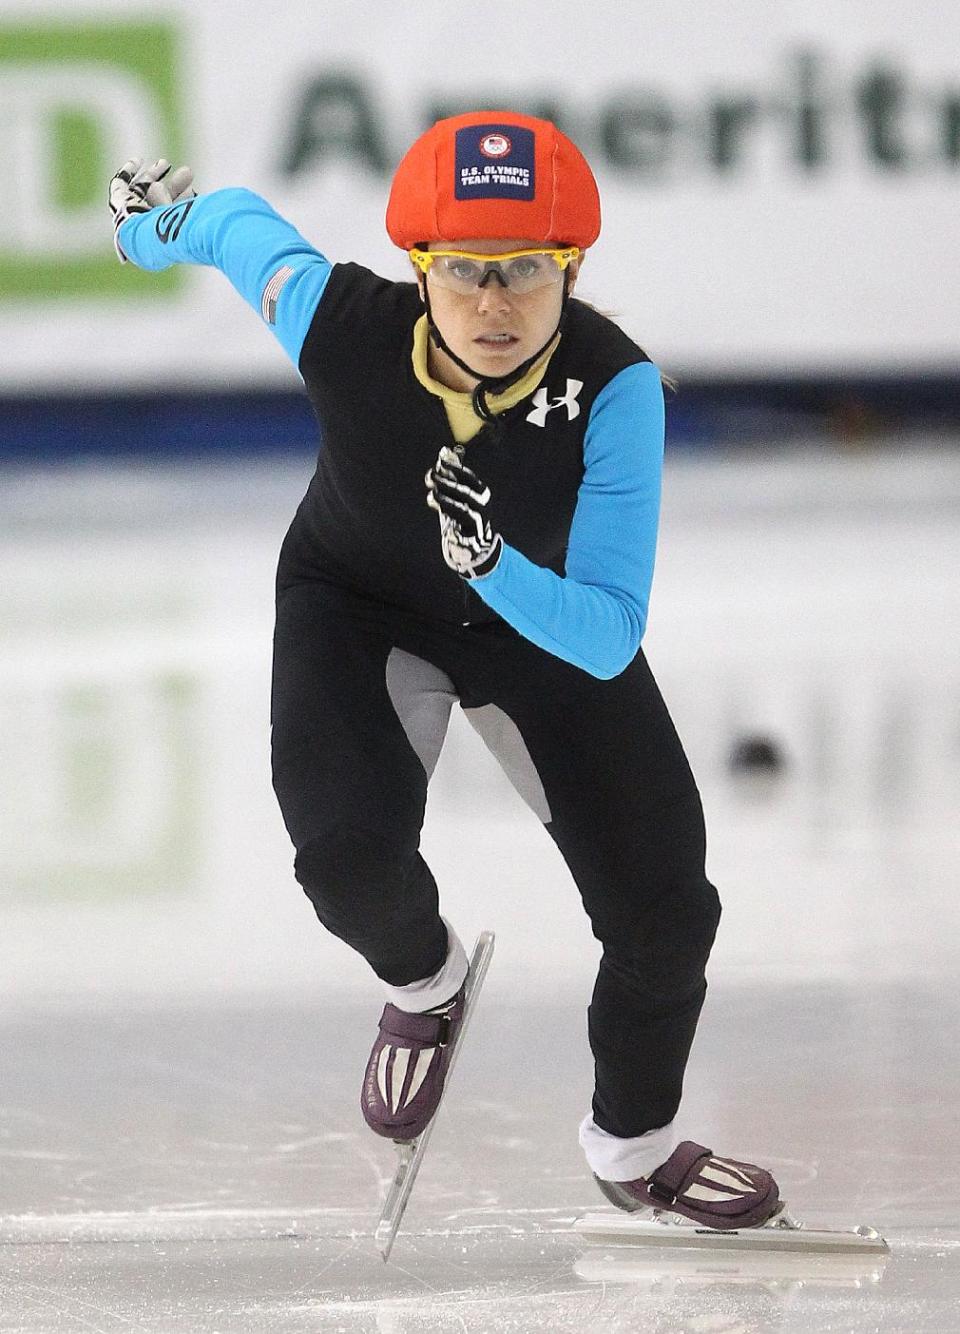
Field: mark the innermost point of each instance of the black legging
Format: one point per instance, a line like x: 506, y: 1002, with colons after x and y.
x: 623, y: 809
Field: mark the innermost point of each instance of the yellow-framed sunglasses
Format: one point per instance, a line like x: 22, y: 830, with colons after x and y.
x: 519, y: 271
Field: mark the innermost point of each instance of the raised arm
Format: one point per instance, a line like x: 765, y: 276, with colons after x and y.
x: 277, y: 272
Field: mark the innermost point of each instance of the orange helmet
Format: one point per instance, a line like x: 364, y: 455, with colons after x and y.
x: 492, y: 174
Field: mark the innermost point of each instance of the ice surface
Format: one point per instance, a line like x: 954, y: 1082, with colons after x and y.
x: 208, y: 1170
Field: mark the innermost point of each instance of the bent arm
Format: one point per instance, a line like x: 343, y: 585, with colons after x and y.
x: 595, y: 616
x: 277, y: 272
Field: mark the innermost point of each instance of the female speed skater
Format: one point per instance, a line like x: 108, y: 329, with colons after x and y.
x: 480, y: 529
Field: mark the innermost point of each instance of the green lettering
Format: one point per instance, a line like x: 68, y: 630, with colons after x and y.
x: 728, y: 118
x: 334, y: 118
x: 950, y: 128
x: 89, y: 758
x: 79, y: 152
x: 636, y: 134
x: 441, y: 108
x: 810, y: 112
x: 880, y: 100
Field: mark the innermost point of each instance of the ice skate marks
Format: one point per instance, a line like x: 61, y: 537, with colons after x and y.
x: 411, y: 1153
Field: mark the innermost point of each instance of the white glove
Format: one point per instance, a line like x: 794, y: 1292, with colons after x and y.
x: 469, y: 544
x: 137, y: 189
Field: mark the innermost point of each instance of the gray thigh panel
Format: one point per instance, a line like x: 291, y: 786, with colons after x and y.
x: 422, y: 696
x: 502, y: 738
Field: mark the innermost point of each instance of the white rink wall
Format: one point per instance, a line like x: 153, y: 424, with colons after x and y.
x: 811, y: 600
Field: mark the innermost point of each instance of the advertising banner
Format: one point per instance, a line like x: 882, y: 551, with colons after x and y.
x: 779, y: 182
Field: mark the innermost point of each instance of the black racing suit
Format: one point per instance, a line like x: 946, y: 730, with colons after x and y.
x: 376, y: 638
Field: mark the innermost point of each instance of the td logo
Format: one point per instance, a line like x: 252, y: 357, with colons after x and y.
x: 76, y: 100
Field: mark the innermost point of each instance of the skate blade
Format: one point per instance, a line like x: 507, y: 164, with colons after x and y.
x: 410, y: 1153
x: 782, y: 1234
x: 657, y: 1266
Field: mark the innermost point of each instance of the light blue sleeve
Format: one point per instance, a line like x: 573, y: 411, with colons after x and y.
x: 595, y: 616
x: 270, y: 264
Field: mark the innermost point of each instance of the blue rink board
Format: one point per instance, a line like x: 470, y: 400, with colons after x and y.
x: 169, y: 423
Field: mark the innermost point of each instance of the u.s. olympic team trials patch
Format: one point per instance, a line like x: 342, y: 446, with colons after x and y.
x: 494, y: 162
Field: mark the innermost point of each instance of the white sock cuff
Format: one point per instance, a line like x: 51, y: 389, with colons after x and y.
x: 614, y: 1159
x: 443, y: 985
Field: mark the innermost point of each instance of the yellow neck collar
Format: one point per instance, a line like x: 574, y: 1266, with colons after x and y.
x: 464, y: 422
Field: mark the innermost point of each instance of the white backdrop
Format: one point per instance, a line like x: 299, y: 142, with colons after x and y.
x: 780, y: 182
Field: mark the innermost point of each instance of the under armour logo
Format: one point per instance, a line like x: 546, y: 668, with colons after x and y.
x: 538, y: 414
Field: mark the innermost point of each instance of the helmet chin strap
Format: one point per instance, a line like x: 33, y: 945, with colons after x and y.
x: 491, y: 384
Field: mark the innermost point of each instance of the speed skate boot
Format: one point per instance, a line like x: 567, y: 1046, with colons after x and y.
x: 405, y: 1074
x: 712, y: 1192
